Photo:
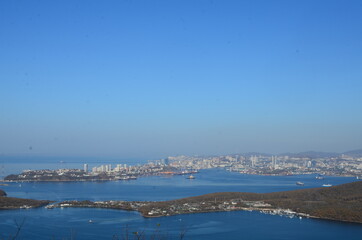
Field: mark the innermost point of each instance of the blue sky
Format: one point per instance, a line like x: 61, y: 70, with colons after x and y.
x: 148, y: 79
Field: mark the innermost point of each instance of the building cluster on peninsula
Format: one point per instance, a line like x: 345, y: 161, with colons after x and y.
x: 262, y: 164
x: 339, y: 165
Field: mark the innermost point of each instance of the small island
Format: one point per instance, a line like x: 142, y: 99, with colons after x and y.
x: 340, y: 203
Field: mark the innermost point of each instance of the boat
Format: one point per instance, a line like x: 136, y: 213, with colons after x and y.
x: 327, y: 185
x: 319, y: 177
x: 191, y: 177
x: 300, y: 183
x: 90, y: 221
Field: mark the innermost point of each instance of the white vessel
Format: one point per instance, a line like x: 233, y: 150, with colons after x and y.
x: 327, y: 185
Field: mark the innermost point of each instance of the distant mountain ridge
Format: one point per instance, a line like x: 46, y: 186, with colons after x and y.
x: 312, y: 154
x: 309, y: 154
x: 354, y: 153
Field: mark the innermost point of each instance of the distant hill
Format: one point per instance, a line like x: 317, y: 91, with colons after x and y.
x: 343, y: 202
x: 354, y: 153
x: 312, y: 154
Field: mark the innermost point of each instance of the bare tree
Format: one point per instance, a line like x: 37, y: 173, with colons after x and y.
x: 19, y: 226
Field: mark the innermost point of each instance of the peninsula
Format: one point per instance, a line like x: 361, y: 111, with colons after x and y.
x: 340, y: 203
x: 332, y: 164
x: 17, y: 203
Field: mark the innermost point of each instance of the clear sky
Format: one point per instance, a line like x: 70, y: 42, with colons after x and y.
x: 148, y: 79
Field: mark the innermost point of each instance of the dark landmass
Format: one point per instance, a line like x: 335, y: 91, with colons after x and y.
x: 16, y: 203
x: 55, y: 176
x: 69, y: 175
x: 2, y: 193
x: 340, y: 203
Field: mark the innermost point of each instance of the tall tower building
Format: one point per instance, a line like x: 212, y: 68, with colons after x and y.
x: 309, y: 164
x: 253, y: 160
x: 85, y: 167
x: 274, y: 161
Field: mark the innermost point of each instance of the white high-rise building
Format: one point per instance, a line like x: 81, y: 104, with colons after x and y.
x: 254, y: 160
x: 274, y: 161
x: 85, y: 167
x: 108, y: 168
x: 309, y: 164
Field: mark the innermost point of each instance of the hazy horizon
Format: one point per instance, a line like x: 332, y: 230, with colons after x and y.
x: 100, y: 158
x: 147, y: 79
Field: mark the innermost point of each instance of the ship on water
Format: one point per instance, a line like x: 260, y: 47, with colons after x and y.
x: 191, y: 177
x: 300, y: 183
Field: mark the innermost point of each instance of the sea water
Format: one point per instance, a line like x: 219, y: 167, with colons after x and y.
x: 83, y: 223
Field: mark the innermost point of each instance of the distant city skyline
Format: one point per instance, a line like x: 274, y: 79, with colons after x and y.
x: 140, y: 79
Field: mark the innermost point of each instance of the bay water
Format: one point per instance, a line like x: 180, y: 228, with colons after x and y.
x: 83, y: 223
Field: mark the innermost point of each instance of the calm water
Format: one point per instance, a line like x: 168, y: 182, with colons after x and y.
x: 74, y: 223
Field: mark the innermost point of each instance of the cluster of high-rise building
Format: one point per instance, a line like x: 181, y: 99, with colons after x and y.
x: 249, y: 163
x: 342, y: 165
x: 277, y: 165
x: 150, y: 168
x: 102, y: 168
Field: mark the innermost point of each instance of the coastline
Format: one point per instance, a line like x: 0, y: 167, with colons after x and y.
x: 339, y: 203
x: 269, y: 211
x: 3, y: 182
x: 11, y: 203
